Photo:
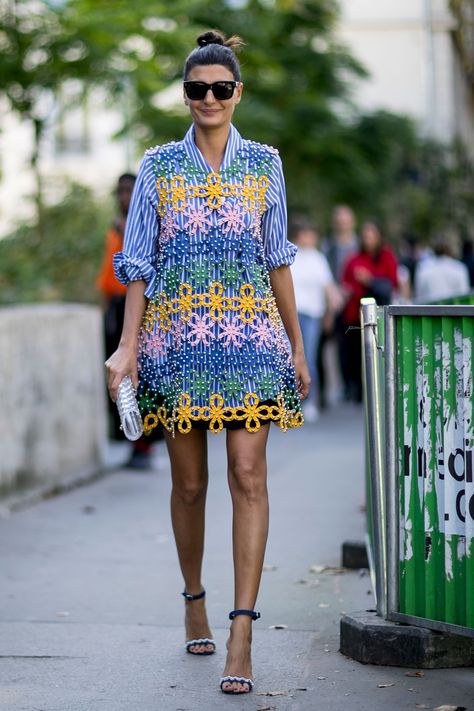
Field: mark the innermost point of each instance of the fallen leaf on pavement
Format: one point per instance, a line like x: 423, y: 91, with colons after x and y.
x: 450, y: 708
x: 272, y: 693
x: 278, y: 627
x: 316, y: 568
x: 415, y: 673
x: 385, y: 686
x: 330, y: 569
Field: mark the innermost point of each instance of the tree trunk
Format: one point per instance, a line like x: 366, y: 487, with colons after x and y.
x: 35, y: 164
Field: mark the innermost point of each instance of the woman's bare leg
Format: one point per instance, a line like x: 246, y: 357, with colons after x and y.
x: 247, y: 473
x: 188, y: 456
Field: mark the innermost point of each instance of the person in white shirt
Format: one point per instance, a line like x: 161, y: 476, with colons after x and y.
x: 315, y: 294
x: 441, y: 276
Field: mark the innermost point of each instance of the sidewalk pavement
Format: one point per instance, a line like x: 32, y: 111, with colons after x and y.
x: 91, y: 615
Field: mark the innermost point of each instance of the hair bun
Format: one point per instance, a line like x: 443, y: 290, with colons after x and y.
x: 210, y: 37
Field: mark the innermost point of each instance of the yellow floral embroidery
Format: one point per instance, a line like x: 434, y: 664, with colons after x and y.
x: 216, y: 413
x: 214, y: 300
x: 188, y: 301
x: 248, y: 304
x: 253, y: 193
x: 176, y: 191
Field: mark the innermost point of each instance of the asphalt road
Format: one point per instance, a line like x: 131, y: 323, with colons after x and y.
x: 91, y: 612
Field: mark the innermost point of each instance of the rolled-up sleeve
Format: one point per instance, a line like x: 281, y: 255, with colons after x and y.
x: 278, y: 250
x: 139, y: 256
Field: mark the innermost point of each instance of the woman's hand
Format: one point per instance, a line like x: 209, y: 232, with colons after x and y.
x: 363, y: 276
x: 121, y: 363
x: 303, y: 379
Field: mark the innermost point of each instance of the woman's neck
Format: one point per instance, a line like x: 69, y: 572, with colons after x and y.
x: 212, y: 144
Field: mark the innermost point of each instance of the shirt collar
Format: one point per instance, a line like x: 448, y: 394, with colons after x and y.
x: 234, y: 143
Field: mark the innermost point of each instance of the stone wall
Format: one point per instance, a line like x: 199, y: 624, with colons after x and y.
x: 52, y: 398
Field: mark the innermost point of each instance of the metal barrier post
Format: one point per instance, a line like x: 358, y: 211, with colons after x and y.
x: 391, y: 478
x: 375, y: 419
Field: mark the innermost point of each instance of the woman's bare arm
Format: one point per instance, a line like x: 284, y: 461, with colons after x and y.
x: 124, y: 361
x: 282, y: 286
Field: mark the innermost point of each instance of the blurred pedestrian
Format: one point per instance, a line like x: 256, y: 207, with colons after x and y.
x: 113, y: 293
x: 370, y: 272
x: 316, y: 297
x: 339, y: 247
x: 468, y: 258
x: 206, y: 259
x: 343, y: 242
x: 441, y: 276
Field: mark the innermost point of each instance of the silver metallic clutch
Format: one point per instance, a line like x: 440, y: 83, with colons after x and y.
x: 130, y: 418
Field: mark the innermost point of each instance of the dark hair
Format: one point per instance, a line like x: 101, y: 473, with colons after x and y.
x: 214, y: 48
x: 125, y: 177
x: 443, y: 246
x: 298, y: 224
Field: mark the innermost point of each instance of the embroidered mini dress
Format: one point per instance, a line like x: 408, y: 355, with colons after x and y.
x: 212, y: 348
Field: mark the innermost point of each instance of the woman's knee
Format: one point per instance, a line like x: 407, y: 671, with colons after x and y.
x: 248, y: 478
x: 190, y: 490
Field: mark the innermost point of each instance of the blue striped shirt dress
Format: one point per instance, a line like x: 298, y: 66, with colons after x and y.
x: 212, y: 352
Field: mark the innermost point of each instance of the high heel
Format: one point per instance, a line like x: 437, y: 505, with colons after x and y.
x: 201, y: 640
x: 239, y: 679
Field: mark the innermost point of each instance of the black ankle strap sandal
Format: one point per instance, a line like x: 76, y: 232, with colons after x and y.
x: 251, y: 613
x: 190, y: 598
x: 202, y: 641
x: 239, y: 679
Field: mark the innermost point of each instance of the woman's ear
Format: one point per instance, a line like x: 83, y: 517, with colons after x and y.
x: 238, y: 92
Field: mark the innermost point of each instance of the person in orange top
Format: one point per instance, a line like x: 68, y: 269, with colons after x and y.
x: 113, y: 293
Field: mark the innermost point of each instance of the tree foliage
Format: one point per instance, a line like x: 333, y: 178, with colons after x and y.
x: 63, y: 267
x: 297, y: 97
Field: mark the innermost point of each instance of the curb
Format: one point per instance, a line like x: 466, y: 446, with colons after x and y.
x: 354, y: 555
x: 32, y: 496
x: 369, y: 639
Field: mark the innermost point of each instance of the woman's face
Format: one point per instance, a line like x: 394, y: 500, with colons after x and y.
x: 306, y: 239
x: 212, y: 113
x: 371, y: 238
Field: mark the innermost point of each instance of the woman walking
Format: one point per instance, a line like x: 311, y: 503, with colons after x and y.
x: 372, y: 271
x: 210, y: 296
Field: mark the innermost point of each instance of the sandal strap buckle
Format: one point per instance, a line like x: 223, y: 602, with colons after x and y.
x: 190, y: 597
x: 251, y: 613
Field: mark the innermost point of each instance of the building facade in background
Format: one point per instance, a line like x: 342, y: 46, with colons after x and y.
x: 419, y: 53
x: 420, y: 56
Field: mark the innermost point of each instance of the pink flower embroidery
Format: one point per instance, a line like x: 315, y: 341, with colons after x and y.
x: 198, y: 219
x: 168, y: 228
x: 177, y: 333
x: 155, y: 344
x: 200, y: 330
x: 231, y: 332
x: 256, y: 224
x: 262, y: 333
x: 231, y: 218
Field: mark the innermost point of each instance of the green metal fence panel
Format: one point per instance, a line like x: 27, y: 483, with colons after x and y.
x: 464, y: 300
x: 435, y: 452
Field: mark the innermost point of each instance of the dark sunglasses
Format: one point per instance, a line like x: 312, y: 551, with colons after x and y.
x: 197, y: 90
